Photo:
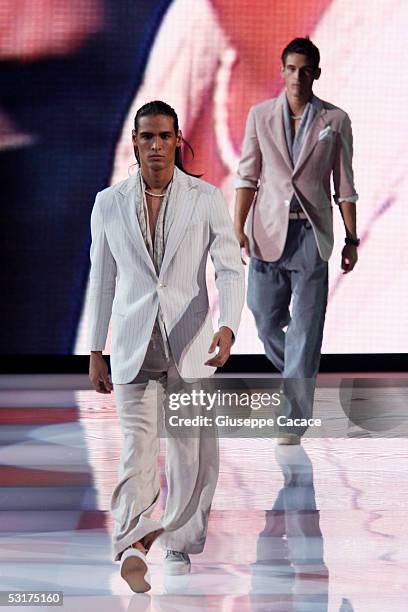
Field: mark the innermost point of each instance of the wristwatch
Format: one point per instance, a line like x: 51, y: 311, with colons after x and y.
x: 352, y: 241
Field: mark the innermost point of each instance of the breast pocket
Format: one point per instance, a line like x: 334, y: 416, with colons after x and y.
x: 323, y: 154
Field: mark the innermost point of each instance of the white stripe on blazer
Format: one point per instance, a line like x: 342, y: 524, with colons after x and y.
x: 124, y: 284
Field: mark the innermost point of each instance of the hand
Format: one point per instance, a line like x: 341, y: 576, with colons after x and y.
x: 99, y: 374
x: 222, y: 339
x: 349, y: 258
x: 243, y: 243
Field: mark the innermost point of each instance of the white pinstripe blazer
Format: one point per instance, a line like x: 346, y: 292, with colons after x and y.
x: 124, y: 284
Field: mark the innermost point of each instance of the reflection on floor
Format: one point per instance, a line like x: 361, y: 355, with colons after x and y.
x: 313, y: 528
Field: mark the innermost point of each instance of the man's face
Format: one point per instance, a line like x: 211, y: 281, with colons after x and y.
x: 156, y: 141
x: 299, y: 75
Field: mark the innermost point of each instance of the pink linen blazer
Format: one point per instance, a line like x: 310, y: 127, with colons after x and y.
x: 266, y: 166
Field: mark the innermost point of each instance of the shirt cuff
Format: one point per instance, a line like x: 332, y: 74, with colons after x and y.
x: 352, y: 198
x: 239, y: 183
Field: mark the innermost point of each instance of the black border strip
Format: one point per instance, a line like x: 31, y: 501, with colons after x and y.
x: 78, y: 364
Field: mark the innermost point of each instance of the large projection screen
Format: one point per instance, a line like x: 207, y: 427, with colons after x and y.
x: 211, y: 60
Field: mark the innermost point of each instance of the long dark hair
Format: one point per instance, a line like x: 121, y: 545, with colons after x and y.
x: 158, y: 107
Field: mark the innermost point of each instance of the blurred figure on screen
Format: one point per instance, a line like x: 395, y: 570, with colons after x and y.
x: 93, y: 60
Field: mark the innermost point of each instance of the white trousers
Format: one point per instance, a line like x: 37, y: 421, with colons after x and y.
x: 192, y: 464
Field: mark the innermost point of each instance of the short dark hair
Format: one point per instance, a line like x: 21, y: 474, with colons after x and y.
x: 305, y: 47
x: 158, y: 107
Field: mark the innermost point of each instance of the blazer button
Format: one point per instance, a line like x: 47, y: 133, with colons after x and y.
x: 161, y: 285
x: 287, y: 202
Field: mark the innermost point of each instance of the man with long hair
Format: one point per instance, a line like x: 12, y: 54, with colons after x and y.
x: 151, y: 235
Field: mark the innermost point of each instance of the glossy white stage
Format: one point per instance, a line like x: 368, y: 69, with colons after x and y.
x: 316, y: 528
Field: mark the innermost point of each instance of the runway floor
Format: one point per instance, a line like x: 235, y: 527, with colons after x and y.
x: 311, y: 528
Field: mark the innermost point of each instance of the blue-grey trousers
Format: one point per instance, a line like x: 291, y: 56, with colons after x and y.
x: 291, y: 293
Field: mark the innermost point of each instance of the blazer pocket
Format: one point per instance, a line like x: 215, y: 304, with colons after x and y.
x: 326, y: 133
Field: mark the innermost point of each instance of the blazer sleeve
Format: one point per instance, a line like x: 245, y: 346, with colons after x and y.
x: 226, y: 256
x: 249, y: 168
x: 343, y: 178
x: 102, y: 281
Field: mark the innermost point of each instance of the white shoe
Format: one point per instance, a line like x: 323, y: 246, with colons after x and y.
x: 289, y: 438
x: 177, y: 563
x: 133, y: 569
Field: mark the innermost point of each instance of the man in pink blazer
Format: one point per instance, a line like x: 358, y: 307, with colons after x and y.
x: 292, y: 147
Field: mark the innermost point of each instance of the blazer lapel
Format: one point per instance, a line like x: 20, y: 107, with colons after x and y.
x: 311, y: 137
x: 182, y: 195
x: 278, y: 131
x: 127, y: 199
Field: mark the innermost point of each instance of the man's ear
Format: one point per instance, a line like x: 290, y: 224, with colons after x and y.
x: 318, y: 73
x: 135, y: 149
x: 179, y: 138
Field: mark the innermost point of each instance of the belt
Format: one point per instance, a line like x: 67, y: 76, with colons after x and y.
x: 297, y: 215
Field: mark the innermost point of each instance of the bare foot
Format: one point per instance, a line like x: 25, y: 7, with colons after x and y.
x: 134, y: 571
x: 139, y: 546
x: 148, y: 540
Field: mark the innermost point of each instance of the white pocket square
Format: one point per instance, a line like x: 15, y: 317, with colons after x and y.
x: 326, y: 133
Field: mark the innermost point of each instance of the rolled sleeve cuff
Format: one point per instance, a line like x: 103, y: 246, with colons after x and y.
x: 352, y: 198
x: 240, y: 183
x: 96, y: 347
